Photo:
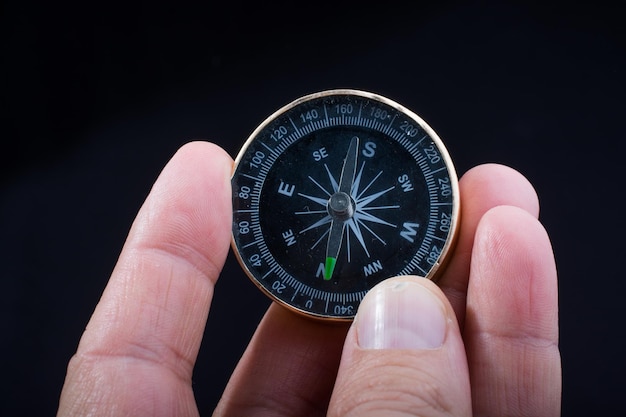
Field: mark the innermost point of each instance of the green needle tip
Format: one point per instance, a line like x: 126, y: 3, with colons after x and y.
x: 330, y: 267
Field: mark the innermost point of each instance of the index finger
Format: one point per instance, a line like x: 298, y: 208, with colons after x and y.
x: 137, y: 354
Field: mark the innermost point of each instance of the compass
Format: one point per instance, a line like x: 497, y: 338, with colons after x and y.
x: 336, y: 192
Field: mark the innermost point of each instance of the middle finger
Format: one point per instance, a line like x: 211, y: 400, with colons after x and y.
x: 482, y: 188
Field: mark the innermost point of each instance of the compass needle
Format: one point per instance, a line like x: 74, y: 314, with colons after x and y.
x: 341, y: 207
x: 349, y: 166
x: 337, y: 191
x: 330, y: 267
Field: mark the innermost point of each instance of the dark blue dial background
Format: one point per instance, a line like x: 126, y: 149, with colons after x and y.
x: 298, y: 163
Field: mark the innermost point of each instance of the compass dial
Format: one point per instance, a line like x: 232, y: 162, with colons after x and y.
x: 336, y: 192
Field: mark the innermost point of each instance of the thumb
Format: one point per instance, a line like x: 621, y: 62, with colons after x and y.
x: 403, y: 355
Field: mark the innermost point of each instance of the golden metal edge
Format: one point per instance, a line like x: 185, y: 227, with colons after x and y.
x: 435, y: 272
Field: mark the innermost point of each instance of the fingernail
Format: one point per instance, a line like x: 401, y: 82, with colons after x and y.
x: 400, y: 314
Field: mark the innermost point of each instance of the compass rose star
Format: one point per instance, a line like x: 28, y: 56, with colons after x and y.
x: 358, y: 223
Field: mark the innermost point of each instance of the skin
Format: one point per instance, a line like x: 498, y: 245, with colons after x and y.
x: 498, y: 353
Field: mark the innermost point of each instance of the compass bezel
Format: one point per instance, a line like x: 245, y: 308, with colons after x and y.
x: 435, y: 270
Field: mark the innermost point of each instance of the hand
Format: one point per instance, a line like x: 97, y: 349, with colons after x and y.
x: 490, y: 323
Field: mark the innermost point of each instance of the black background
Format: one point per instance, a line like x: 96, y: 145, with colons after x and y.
x: 97, y: 97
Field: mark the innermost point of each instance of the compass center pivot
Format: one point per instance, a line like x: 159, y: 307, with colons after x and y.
x: 340, y: 206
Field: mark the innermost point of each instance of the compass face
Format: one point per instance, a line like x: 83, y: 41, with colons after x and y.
x: 336, y: 192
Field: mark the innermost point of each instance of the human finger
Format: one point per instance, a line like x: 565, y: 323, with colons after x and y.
x: 137, y: 352
x: 403, y: 355
x: 482, y: 188
x: 288, y: 369
x: 511, y: 327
